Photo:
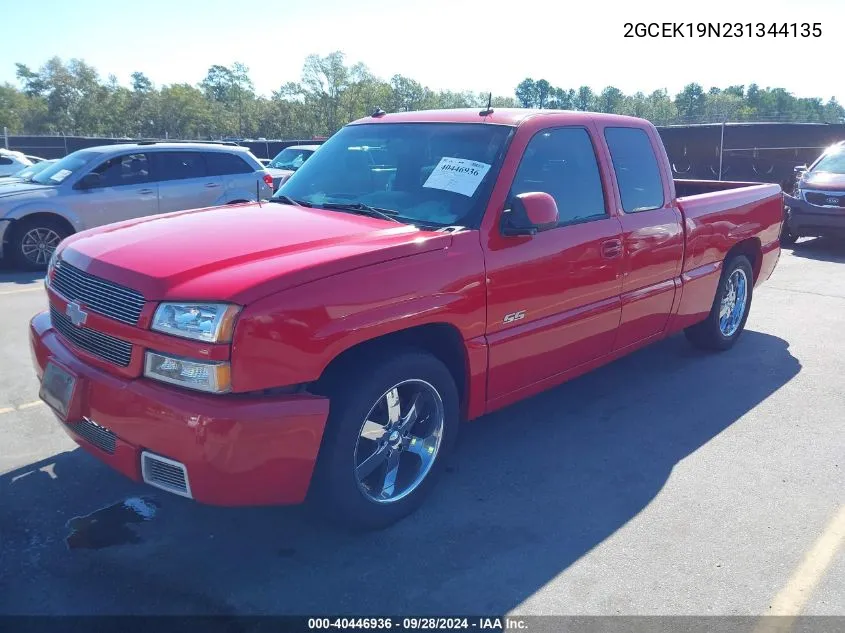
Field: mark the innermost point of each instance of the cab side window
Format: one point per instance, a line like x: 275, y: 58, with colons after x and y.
x: 562, y: 162
x: 128, y: 169
x: 637, y: 172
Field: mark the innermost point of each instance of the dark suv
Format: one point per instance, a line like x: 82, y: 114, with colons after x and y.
x: 816, y: 207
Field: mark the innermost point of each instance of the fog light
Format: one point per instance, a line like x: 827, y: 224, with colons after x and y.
x: 213, y: 377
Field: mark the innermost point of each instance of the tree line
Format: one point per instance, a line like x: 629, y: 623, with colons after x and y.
x: 71, y: 98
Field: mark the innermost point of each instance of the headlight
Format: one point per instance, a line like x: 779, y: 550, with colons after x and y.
x: 209, y: 322
x: 214, y: 377
x: 50, y: 266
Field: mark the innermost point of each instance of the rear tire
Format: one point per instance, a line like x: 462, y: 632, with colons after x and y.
x: 34, y: 240
x: 731, y: 306
x: 405, y: 465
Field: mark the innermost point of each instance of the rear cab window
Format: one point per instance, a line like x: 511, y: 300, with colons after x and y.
x: 636, y: 168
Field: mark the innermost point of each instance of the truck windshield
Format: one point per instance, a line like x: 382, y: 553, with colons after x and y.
x: 833, y: 163
x: 435, y: 174
x: 59, y: 171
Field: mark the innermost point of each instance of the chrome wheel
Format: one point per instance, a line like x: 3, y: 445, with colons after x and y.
x: 733, y: 304
x: 38, y: 244
x: 399, y: 441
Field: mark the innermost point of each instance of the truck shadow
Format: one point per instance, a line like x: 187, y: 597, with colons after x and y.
x: 532, y: 489
x: 821, y: 248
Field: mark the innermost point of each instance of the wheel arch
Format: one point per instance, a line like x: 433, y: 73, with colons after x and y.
x: 752, y: 248
x: 442, y: 340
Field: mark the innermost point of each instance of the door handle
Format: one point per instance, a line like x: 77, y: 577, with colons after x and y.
x: 611, y: 249
x: 145, y: 191
x: 211, y: 185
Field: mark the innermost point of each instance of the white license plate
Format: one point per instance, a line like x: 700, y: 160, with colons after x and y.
x: 57, y: 387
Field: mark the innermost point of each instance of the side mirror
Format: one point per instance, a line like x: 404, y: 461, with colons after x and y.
x: 88, y: 181
x: 530, y: 213
x: 800, y: 169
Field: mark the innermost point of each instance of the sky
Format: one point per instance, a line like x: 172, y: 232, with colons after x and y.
x: 477, y: 45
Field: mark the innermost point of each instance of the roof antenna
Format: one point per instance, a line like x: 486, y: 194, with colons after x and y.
x: 378, y: 112
x: 489, y: 108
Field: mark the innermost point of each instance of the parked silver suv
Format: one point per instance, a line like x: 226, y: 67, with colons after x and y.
x: 101, y: 185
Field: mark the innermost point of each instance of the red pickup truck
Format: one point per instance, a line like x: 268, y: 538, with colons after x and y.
x: 421, y: 269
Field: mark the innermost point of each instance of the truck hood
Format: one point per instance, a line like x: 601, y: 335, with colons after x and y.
x: 240, y: 253
x: 20, y: 190
x: 824, y: 180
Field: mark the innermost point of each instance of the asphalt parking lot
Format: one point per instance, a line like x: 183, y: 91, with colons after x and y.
x: 670, y: 482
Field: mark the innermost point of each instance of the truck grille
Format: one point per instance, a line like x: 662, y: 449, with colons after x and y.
x: 166, y: 474
x: 113, y: 350
x: 103, y: 297
x: 820, y: 199
x: 98, y: 435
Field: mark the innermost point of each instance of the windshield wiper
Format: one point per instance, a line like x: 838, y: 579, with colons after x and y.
x: 288, y: 200
x: 363, y: 209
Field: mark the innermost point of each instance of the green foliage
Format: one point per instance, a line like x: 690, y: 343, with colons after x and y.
x: 71, y: 98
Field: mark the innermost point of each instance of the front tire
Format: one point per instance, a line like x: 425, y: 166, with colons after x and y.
x: 34, y: 240
x: 393, y: 420
x: 731, y: 306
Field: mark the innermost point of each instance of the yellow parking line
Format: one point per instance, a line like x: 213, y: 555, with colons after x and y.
x: 20, y: 407
x: 29, y: 405
x: 14, y: 292
x: 792, y: 599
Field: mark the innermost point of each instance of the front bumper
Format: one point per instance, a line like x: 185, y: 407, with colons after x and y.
x: 237, y: 450
x: 808, y: 220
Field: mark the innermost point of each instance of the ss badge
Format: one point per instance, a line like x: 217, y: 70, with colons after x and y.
x: 514, y: 316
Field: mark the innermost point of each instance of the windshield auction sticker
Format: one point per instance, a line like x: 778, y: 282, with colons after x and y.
x: 457, y: 174
x: 60, y: 175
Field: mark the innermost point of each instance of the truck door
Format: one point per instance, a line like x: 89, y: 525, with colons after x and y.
x: 652, y: 233
x: 553, y: 298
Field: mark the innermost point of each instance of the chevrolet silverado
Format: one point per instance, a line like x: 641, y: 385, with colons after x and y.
x: 420, y: 270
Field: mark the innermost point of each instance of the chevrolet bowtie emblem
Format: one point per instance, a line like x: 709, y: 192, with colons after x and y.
x: 77, y: 315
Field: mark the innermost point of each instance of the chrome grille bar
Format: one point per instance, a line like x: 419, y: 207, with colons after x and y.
x: 104, y: 297
x: 109, y: 348
x: 98, y: 435
x: 165, y: 473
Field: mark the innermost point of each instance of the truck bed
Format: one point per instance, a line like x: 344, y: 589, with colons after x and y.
x: 720, y: 214
x: 685, y: 188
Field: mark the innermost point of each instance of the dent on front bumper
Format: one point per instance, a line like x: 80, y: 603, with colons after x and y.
x: 237, y: 450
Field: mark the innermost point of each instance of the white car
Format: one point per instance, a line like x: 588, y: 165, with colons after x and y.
x: 288, y: 161
x: 12, y: 162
